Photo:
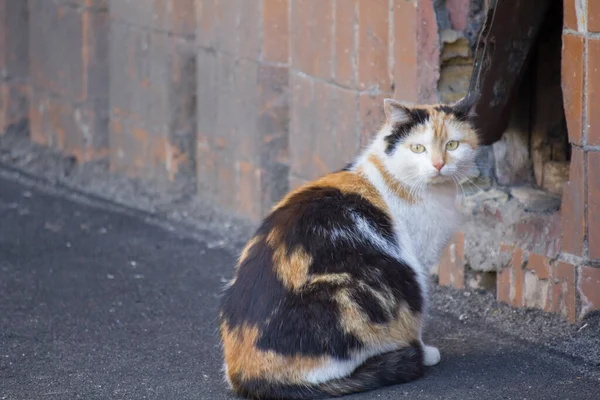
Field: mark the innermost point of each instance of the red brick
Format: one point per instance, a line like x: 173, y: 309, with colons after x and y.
x: 273, y: 131
x: 324, y: 130
x: 503, y: 285
x: 207, y: 22
x: 373, y: 48
x: 428, y: 52
x: 181, y: 17
x: 563, y: 290
x: 416, y: 51
x: 301, y: 127
x: 540, y: 265
x: 324, y: 134
x: 593, y: 13
x: 347, y: 132
x: 594, y: 204
x: 452, y: 263
x: 572, y: 85
x: 173, y: 16
x: 537, y: 282
x: 372, y: 116
x: 570, y: 16
x: 248, y: 32
x: 345, y: 42
x: 459, y: 13
x: 573, y: 205
x: 312, y: 36
x: 516, y: 278
x: 503, y: 282
x: 405, y: 50
x: 589, y: 289
x: 68, y: 51
x: 593, y: 95
x: 276, y: 30
x: 229, y: 26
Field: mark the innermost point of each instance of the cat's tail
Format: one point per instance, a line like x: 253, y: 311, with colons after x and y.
x: 391, y: 368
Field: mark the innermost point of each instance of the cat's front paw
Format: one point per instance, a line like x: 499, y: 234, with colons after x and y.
x: 431, y: 356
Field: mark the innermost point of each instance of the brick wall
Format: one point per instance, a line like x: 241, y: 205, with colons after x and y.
x: 555, y: 264
x: 14, y: 64
x: 68, y: 76
x: 240, y: 100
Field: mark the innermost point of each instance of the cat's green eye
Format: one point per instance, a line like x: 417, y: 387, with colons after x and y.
x: 417, y: 148
x: 452, y: 145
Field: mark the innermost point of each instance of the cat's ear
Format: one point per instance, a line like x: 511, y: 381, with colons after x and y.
x: 396, y: 112
x: 464, y: 109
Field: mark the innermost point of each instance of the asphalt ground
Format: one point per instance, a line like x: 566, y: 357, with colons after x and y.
x: 100, y: 301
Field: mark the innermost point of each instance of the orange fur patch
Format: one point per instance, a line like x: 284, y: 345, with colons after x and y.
x: 402, y: 330
x: 348, y: 183
x: 330, y: 278
x: 245, y: 361
x: 392, y: 183
x: 292, y: 269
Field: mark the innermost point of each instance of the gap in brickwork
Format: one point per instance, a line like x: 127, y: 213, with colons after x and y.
x: 514, y: 198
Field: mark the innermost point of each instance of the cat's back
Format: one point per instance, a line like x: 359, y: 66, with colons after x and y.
x: 305, y: 276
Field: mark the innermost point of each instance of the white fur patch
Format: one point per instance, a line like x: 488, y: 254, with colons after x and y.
x: 431, y: 356
x: 334, y: 369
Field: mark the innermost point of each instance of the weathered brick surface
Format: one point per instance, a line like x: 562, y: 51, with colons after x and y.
x: 345, y: 42
x: 593, y: 95
x: 371, y: 116
x: 14, y: 64
x: 312, y: 37
x: 537, y: 283
x: 589, y: 289
x: 416, y: 51
x: 169, y: 16
x: 570, y: 15
x: 593, y: 13
x: 594, y: 205
x: 373, y: 45
x: 152, y: 90
x: 68, y: 54
x: 78, y: 130
x: 452, y: 263
x: 573, y: 206
x: 243, y: 104
x: 572, y: 85
x: 276, y: 30
x: 273, y: 128
x: 563, y: 290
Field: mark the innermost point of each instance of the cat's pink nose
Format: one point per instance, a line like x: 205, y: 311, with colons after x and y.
x: 439, y: 165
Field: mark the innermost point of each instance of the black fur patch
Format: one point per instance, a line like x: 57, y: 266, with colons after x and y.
x: 256, y: 290
x: 463, y: 110
x: 307, y: 324
x: 401, y: 130
x: 348, y: 166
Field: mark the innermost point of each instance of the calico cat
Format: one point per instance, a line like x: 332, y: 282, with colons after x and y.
x: 328, y: 296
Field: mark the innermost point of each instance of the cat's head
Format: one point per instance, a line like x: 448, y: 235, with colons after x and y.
x: 429, y: 144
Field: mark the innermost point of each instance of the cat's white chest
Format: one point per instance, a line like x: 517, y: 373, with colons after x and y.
x: 424, y: 229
